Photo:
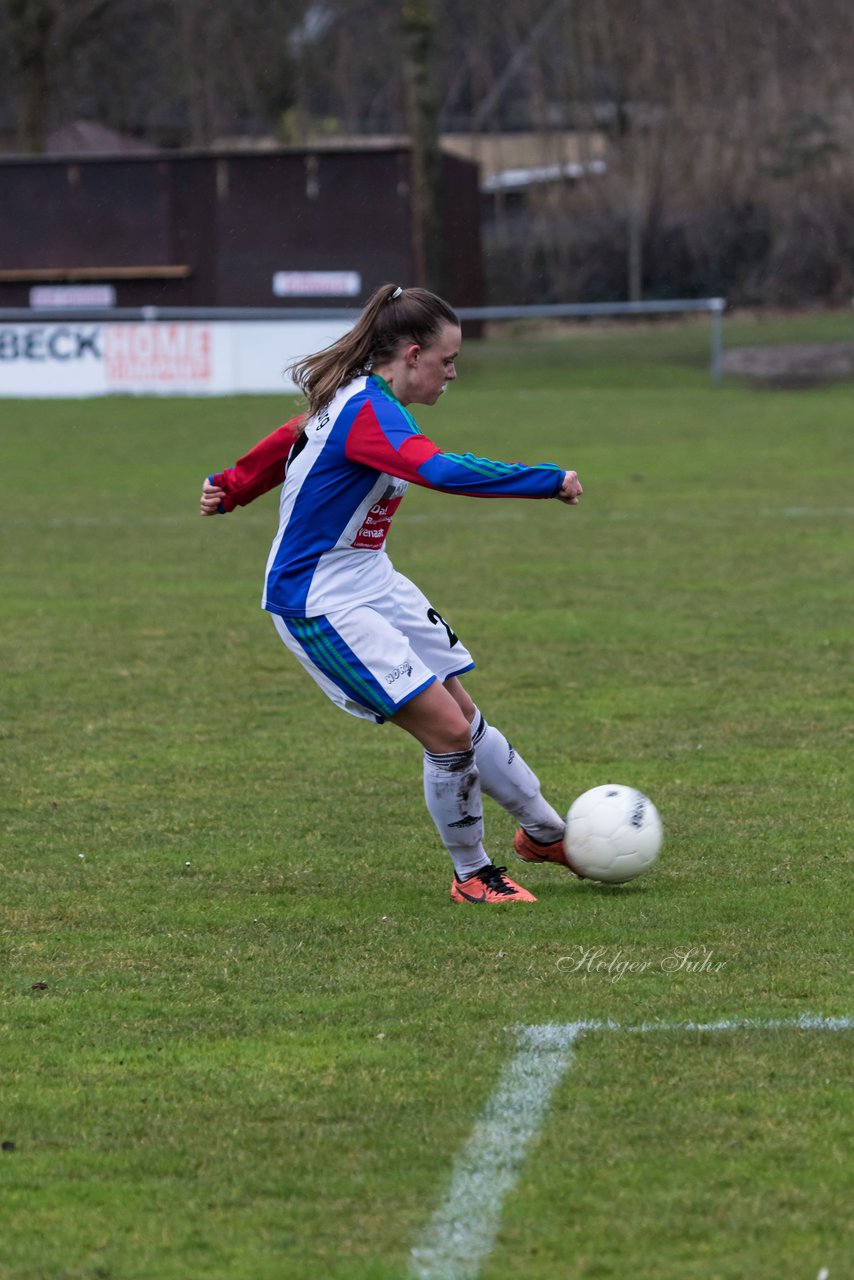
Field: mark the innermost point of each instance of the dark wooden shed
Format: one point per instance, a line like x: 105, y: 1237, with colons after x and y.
x: 214, y: 229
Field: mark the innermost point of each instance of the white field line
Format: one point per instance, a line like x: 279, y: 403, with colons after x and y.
x: 507, y: 514
x: 462, y: 1231
x: 503, y: 515
x: 803, y: 1022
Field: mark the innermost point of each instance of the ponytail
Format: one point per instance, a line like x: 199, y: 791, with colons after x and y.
x: 391, y: 315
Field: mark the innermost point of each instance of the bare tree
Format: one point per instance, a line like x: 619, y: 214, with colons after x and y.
x: 729, y: 165
x: 43, y: 36
x: 423, y: 118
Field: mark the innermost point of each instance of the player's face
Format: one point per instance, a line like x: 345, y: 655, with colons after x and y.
x: 432, y: 368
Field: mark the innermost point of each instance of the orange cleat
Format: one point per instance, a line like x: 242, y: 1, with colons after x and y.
x: 489, y: 885
x: 530, y: 850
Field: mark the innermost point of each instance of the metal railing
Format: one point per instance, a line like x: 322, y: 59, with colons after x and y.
x: 713, y: 307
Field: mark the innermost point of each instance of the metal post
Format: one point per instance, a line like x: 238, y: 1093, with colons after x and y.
x: 716, y: 366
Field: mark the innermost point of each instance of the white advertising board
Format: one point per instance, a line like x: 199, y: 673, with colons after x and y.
x: 317, y: 284
x: 72, y: 295
x: 58, y: 359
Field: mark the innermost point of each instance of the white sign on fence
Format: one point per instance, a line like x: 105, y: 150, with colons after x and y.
x: 97, y: 358
x: 317, y: 284
x: 73, y: 295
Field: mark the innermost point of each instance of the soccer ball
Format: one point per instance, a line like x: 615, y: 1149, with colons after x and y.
x: 613, y: 833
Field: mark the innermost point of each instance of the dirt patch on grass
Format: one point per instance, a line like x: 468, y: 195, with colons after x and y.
x: 794, y: 364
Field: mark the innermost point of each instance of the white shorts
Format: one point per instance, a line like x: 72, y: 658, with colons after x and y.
x: 370, y: 659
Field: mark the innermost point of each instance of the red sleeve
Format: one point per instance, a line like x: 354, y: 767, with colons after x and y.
x: 259, y: 470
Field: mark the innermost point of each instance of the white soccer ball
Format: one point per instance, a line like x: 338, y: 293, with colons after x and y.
x: 613, y: 833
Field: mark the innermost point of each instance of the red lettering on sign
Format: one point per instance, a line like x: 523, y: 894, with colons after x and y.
x: 157, y: 353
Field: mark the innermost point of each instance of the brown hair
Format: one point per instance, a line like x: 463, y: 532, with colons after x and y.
x: 391, y: 315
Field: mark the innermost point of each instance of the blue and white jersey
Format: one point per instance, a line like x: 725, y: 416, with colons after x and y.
x: 345, y: 479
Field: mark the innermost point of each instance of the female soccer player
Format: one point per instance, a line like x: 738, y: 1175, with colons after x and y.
x: 369, y: 638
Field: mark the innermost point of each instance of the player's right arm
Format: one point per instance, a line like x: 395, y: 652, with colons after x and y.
x: 258, y: 471
x: 211, y: 499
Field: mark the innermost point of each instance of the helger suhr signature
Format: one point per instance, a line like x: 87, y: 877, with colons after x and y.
x: 615, y: 964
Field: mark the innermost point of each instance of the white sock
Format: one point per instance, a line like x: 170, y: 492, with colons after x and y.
x: 506, y: 777
x: 452, y: 792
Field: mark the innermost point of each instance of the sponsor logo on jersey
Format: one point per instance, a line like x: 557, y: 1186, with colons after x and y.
x: 376, y: 523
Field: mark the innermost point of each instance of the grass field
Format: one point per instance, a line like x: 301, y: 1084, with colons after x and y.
x: 245, y: 1034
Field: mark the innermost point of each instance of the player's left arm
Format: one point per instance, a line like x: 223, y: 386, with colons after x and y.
x: 387, y: 439
x: 485, y: 477
x: 571, y: 490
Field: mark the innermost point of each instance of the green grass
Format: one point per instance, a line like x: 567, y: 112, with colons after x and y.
x: 244, y: 1031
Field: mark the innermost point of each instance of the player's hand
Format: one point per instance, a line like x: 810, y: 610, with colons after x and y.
x: 570, y: 490
x: 210, y: 499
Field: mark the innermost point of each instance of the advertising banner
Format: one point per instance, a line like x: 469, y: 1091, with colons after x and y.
x: 58, y: 359
x: 317, y: 284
